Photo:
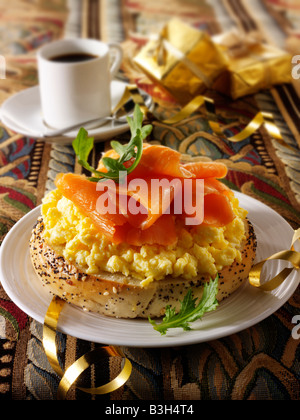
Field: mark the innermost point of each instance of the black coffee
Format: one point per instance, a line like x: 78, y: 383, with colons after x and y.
x: 72, y: 58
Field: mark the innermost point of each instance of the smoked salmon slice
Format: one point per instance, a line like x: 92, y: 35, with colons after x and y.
x: 215, y: 184
x: 158, y: 160
x: 217, y: 212
x: 164, y: 161
x: 207, y: 169
x: 151, y: 219
x: 154, y: 195
x: 84, y: 195
x: 162, y: 232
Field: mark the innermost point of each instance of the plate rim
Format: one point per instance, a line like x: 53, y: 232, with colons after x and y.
x: 159, y: 342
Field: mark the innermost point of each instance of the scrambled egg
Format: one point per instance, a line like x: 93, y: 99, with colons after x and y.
x: 199, y: 250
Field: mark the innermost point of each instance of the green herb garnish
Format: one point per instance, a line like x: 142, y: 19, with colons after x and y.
x: 83, y: 145
x: 189, y: 311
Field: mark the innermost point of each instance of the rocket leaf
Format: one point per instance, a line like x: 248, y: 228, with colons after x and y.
x: 189, y: 310
x: 83, y: 145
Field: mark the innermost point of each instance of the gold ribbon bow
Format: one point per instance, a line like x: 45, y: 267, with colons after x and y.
x: 69, y: 377
x: 162, y: 49
x: 291, y: 256
x: 159, y: 51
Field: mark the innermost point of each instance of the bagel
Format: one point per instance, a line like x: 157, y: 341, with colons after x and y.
x: 129, y: 250
x: 120, y: 296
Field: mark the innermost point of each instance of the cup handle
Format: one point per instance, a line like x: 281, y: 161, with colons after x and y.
x: 117, y: 58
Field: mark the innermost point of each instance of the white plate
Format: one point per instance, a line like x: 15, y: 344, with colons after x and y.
x: 246, y: 307
x: 22, y: 113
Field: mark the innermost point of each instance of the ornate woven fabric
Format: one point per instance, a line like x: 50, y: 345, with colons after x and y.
x: 261, y: 362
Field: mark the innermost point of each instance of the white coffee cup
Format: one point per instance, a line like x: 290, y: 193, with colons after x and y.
x: 76, y: 91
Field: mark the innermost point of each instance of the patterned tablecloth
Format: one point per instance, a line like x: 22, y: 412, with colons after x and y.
x: 261, y: 362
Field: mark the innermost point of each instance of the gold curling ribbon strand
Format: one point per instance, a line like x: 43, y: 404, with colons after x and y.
x: 251, y: 128
x: 79, y: 366
x: 260, y: 119
x: 291, y: 256
x: 125, y: 98
x: 49, y: 333
x: 186, y: 111
x: 84, y: 362
x: 133, y: 92
x: 137, y: 98
x: 274, y: 131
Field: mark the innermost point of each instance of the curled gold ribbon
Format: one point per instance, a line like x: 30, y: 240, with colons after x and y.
x: 291, y: 256
x: 69, y: 377
x: 49, y: 334
x: 265, y: 119
x: 84, y: 362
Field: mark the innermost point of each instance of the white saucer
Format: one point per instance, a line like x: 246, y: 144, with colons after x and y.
x: 22, y: 113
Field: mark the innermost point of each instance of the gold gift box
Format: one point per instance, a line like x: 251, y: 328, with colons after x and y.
x: 187, y: 62
x: 253, y: 66
x: 182, y: 60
